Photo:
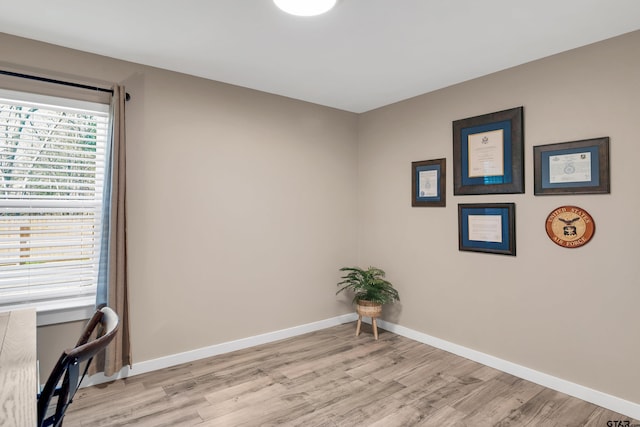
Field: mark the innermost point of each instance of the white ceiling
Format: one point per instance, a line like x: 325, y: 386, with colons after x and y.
x: 362, y: 55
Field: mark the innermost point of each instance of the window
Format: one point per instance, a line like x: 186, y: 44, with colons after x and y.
x: 52, y: 171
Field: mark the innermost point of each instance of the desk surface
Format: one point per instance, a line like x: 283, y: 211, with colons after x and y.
x: 18, y: 384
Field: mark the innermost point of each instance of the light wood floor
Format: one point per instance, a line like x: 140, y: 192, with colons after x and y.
x: 331, y: 378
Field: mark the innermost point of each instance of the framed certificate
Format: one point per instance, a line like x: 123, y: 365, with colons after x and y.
x: 577, y: 167
x: 488, y: 153
x: 487, y: 227
x: 428, y: 183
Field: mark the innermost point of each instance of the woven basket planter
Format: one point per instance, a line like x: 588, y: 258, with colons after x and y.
x: 368, y: 308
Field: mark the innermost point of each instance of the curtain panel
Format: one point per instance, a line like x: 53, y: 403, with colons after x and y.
x: 112, y: 286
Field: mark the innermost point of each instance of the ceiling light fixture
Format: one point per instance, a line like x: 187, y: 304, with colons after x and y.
x: 305, y: 7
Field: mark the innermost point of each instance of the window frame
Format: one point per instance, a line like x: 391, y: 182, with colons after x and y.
x: 67, y: 308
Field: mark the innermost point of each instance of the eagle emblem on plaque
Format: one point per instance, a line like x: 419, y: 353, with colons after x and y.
x: 570, y: 226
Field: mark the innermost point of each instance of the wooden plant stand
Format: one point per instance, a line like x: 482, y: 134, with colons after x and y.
x: 368, y: 309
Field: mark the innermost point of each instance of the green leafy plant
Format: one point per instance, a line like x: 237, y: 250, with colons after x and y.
x: 368, y: 285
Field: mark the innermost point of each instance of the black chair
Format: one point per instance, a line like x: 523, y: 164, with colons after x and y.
x: 105, y: 324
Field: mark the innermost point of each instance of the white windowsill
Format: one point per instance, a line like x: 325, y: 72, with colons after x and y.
x: 52, y: 313
x: 66, y: 314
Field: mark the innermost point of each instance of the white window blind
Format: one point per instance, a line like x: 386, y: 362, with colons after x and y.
x: 52, y: 168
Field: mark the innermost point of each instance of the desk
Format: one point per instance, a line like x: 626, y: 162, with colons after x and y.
x: 18, y: 383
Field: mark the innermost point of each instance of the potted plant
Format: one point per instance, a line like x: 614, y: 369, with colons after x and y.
x: 371, y: 290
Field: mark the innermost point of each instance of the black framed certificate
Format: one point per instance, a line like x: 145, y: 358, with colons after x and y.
x: 428, y: 183
x: 487, y: 227
x: 488, y: 153
x: 576, y: 167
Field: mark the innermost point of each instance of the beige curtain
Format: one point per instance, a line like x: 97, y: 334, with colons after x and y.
x: 118, y: 353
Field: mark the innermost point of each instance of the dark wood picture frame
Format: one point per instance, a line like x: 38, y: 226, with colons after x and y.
x: 576, y: 167
x: 496, y: 234
x: 488, y: 153
x: 429, y: 183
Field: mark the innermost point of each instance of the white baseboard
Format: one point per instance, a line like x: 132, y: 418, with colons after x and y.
x: 596, y: 397
x: 214, y: 350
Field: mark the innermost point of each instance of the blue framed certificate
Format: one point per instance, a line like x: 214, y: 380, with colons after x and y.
x: 428, y: 183
x: 488, y: 153
x: 576, y: 167
x: 487, y: 227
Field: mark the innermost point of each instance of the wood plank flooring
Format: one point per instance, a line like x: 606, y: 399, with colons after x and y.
x: 331, y: 378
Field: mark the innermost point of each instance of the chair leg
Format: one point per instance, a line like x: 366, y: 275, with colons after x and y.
x: 375, y: 327
x: 359, y: 324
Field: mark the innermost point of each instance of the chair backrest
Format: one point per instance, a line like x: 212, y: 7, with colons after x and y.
x: 104, y: 323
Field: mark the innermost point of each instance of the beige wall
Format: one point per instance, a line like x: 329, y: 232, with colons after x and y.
x: 239, y: 201
x: 569, y: 313
x: 243, y: 205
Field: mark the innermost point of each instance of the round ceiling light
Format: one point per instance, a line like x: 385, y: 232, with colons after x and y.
x: 305, y: 7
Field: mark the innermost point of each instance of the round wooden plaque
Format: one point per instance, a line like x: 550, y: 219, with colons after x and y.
x: 570, y: 226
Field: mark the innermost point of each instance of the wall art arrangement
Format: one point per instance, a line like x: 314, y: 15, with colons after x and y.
x: 577, y: 167
x: 487, y: 227
x: 428, y: 183
x: 488, y: 153
x: 488, y: 158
